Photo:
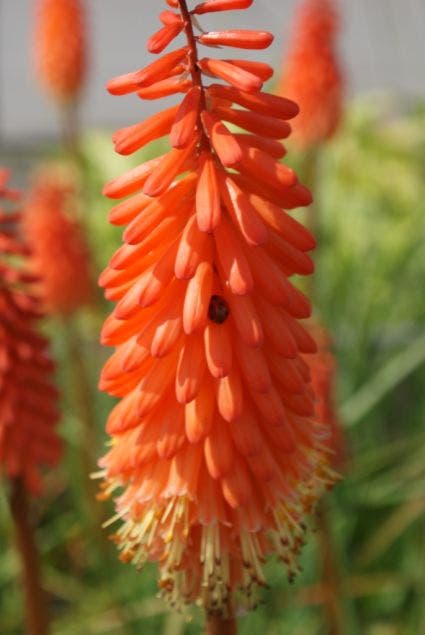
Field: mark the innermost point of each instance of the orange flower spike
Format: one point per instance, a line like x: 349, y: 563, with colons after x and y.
x: 312, y: 74
x: 60, y: 255
x: 28, y: 398
x: 214, y: 440
x: 60, y: 47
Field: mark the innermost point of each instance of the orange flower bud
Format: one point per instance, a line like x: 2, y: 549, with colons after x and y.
x: 240, y: 38
x: 160, y: 40
x: 232, y: 73
x: 186, y: 118
x: 220, y: 5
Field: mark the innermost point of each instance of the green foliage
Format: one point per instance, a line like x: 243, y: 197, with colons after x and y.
x: 369, y: 291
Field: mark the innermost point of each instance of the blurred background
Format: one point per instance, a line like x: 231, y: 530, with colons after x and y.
x: 364, y: 564
x: 382, y: 48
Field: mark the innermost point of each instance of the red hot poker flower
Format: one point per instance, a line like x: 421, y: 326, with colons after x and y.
x: 60, y: 256
x: 60, y: 47
x: 214, y: 442
x: 28, y: 408
x: 311, y: 73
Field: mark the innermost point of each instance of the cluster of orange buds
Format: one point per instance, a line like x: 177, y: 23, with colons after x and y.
x: 312, y: 74
x: 59, y: 254
x: 28, y: 399
x: 60, y: 47
x: 214, y: 440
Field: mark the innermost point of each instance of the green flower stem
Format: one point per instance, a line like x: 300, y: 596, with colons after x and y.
x: 83, y: 398
x: 36, y: 613
x: 333, y: 609
x: 70, y: 130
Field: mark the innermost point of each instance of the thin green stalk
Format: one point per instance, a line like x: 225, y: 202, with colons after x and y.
x: 333, y: 605
x: 70, y: 131
x: 333, y: 608
x: 174, y: 624
x: 83, y: 399
x: 36, y: 613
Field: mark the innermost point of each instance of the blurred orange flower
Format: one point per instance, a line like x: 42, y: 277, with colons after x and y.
x: 214, y: 439
x: 312, y: 74
x: 60, y: 47
x: 60, y: 256
x: 28, y: 399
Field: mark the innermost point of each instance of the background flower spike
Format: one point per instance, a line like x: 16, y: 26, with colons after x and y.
x: 311, y: 73
x: 28, y: 397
